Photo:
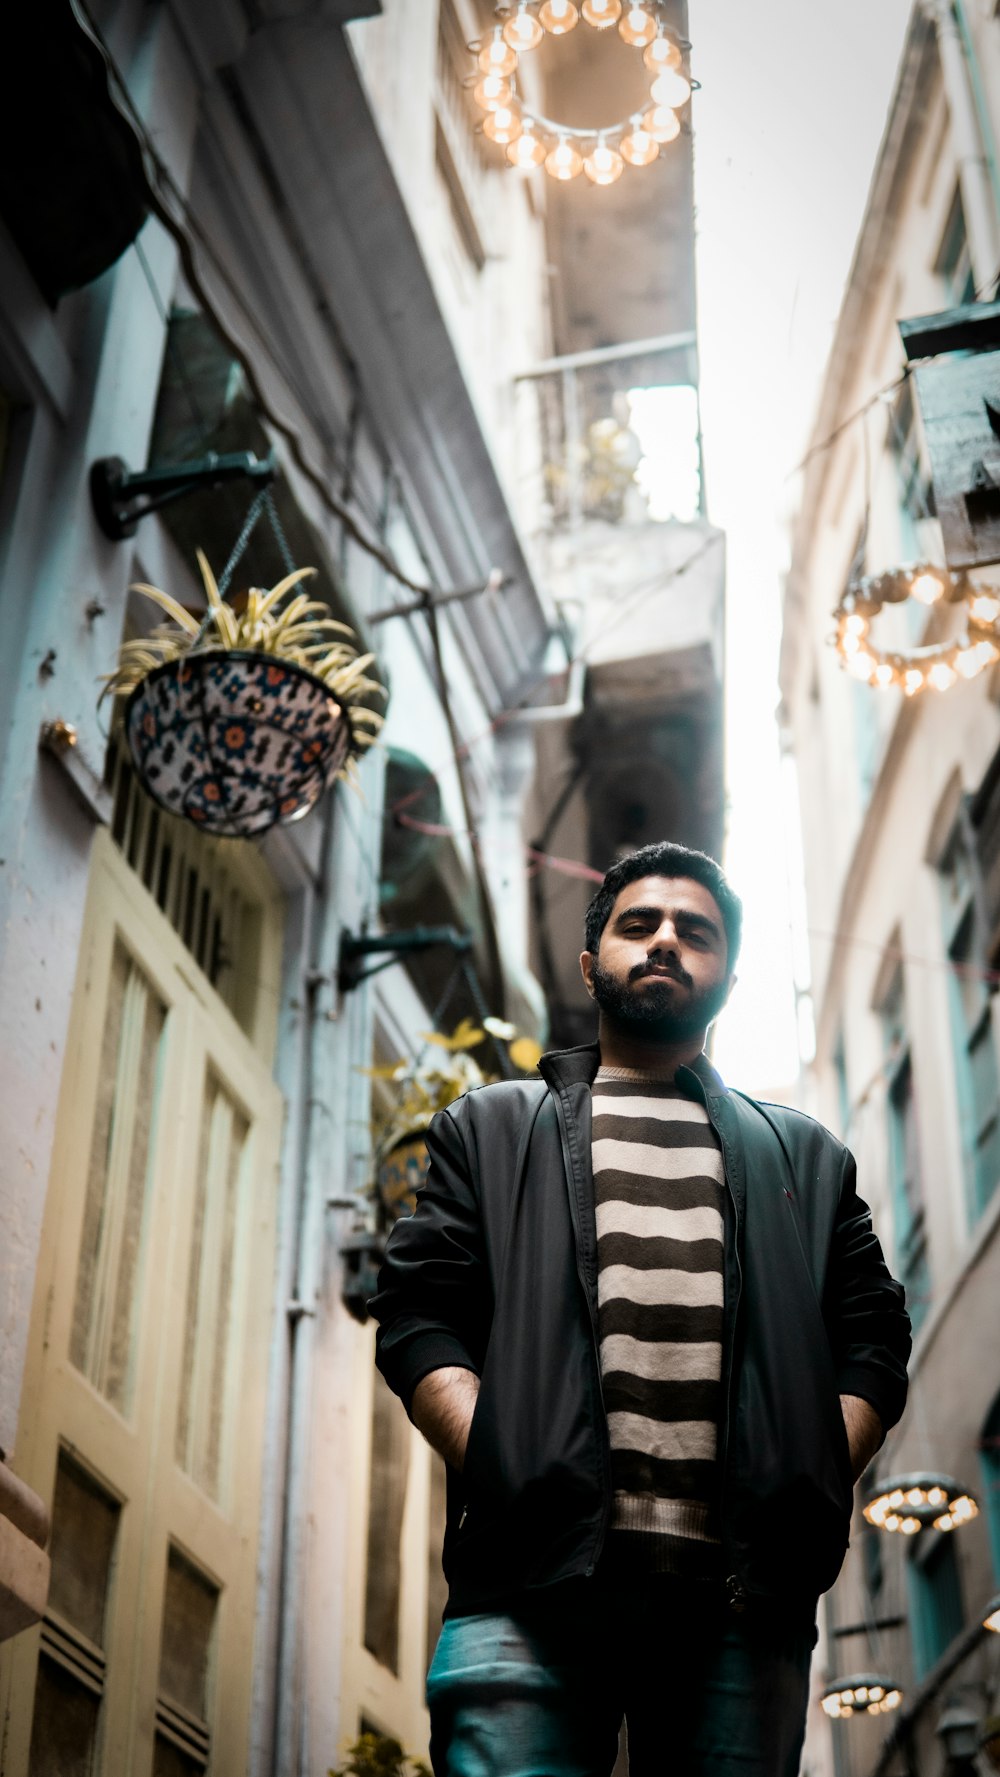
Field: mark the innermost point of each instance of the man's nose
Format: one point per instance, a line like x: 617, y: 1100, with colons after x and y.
x: 664, y: 941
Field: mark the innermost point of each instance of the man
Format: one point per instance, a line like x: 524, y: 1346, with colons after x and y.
x: 647, y: 1324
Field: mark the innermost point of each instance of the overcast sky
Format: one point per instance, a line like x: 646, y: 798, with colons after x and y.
x: 787, y: 126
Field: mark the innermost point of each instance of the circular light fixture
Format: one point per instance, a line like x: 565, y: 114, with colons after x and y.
x: 662, y: 124
x: 908, y: 1503
x: 522, y: 30
x: 662, y: 53
x: 528, y: 151
x: 991, y: 1618
x: 638, y: 26
x: 566, y: 149
x: 558, y: 16
x: 603, y: 165
x: 864, y: 1693
x: 496, y: 56
x: 564, y: 161
x: 639, y: 147
x: 493, y: 91
x: 503, y: 125
x: 938, y: 665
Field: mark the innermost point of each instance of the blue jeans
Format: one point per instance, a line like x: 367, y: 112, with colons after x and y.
x: 541, y: 1691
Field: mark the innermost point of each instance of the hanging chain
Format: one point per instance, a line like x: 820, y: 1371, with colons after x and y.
x: 256, y: 508
x: 288, y: 560
x: 483, y: 1012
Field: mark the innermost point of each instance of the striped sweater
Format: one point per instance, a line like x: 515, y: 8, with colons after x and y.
x: 658, y: 1184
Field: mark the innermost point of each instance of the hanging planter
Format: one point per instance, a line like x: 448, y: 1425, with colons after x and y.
x: 401, y: 1157
x: 240, y: 722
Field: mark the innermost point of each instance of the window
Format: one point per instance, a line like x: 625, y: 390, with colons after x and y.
x: 905, y: 1180
x: 187, y: 1645
x: 970, y: 1001
x: 989, y: 1456
x: 953, y: 264
x: 936, y: 1613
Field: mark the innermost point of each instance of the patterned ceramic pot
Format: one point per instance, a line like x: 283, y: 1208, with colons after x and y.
x: 235, y: 741
x: 401, y: 1173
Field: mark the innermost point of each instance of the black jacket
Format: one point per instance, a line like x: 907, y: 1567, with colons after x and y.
x: 496, y: 1271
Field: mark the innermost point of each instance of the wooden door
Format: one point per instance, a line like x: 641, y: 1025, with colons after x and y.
x: 144, y: 1393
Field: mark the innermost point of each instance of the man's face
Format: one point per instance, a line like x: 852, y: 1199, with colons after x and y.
x: 661, y: 970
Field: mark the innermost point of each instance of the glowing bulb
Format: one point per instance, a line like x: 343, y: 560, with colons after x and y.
x: 558, y: 16
x: 992, y: 1619
x: 850, y: 643
x: 523, y: 30
x: 910, y: 1526
x: 637, y: 27
x: 639, y: 147
x: 855, y: 624
x: 885, y: 676
x: 564, y: 161
x: 492, y: 92
x: 661, y: 53
x: 496, y: 56
x: 603, y: 165
x: 661, y: 123
x: 602, y: 13
x: 985, y: 608
x: 527, y: 152
x: 926, y: 588
x: 942, y: 675
x: 671, y: 88
x: 503, y: 125
x: 913, y: 680
x: 861, y: 666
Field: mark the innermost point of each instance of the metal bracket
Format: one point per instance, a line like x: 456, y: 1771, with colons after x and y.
x: 398, y: 944
x: 121, y: 496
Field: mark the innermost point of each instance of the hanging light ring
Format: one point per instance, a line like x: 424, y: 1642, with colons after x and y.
x: 937, y: 665
x: 909, y: 1503
x: 635, y: 140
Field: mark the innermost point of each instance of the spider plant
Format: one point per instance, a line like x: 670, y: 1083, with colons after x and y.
x: 301, y: 632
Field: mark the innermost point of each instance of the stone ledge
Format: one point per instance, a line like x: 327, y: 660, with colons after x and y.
x: 24, y: 1580
x: 23, y: 1507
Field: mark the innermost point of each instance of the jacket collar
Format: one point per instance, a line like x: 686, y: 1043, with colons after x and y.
x: 578, y: 1067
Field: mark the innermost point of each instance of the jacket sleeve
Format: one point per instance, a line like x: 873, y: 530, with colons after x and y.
x: 869, y: 1325
x: 432, y: 1301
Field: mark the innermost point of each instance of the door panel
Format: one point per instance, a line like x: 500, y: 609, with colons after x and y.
x: 147, y: 1364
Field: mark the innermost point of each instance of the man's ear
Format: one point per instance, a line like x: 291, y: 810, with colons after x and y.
x: 587, y: 971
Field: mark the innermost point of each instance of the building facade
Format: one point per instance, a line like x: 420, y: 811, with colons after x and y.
x: 898, y: 805
x: 276, y: 229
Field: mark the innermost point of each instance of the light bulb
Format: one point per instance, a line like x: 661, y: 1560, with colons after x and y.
x: 496, y: 56
x: 661, y: 123
x: 942, y: 676
x: 603, y: 165
x: 601, y: 13
x: 913, y: 681
x: 855, y: 624
x: 564, y: 161
x: 861, y: 666
x: 527, y: 152
x: 885, y: 676
x: 503, y: 125
x: 926, y: 588
x: 661, y: 53
x: 492, y: 92
x: 523, y: 31
x: 671, y: 88
x: 985, y: 608
x: 637, y: 27
x: 558, y: 16
x: 639, y: 147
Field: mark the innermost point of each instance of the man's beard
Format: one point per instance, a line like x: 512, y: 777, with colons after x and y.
x: 651, y: 1012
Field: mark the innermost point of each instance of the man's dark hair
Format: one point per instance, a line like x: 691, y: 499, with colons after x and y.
x: 667, y: 859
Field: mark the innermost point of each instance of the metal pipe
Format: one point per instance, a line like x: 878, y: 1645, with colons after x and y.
x: 633, y: 348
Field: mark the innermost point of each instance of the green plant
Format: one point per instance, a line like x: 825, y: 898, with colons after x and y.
x: 301, y: 632
x: 378, y: 1755
x: 426, y: 1087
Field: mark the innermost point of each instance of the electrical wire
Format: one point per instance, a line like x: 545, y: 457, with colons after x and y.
x: 160, y: 180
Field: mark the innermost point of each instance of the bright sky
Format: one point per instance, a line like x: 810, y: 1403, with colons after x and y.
x: 787, y: 126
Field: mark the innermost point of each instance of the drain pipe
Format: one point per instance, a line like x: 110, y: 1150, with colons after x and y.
x: 976, y: 173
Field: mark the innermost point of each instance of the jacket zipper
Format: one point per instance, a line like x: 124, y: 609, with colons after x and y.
x: 735, y: 1590
x: 605, y: 1441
